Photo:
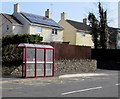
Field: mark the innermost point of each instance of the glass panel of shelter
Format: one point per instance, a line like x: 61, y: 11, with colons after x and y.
x: 49, y: 55
x: 24, y: 55
x: 24, y: 63
x: 49, y: 68
x: 30, y: 63
x: 30, y: 70
x: 40, y: 70
x: 30, y: 54
x: 49, y: 62
x: 40, y: 55
x: 40, y: 62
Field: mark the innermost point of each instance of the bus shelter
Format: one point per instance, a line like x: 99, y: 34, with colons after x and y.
x: 38, y: 60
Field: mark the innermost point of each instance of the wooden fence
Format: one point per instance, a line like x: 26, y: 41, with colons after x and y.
x: 66, y: 51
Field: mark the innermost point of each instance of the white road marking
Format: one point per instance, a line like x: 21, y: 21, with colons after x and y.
x: 66, y: 93
x: 117, y: 84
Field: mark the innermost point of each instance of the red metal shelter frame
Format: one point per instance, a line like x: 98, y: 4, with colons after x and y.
x: 36, y: 61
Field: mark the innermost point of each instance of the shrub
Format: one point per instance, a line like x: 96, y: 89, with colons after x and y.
x: 17, y: 39
x: 11, y: 55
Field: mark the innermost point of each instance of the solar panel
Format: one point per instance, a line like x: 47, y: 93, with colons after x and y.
x: 40, y: 20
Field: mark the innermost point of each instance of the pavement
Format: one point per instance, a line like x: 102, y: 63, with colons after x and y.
x: 57, y: 79
x: 72, y: 75
x: 82, y: 75
x: 102, y: 83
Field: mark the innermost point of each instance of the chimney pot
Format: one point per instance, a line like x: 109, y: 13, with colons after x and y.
x: 63, y: 16
x: 16, y: 8
x: 85, y: 21
x: 48, y: 13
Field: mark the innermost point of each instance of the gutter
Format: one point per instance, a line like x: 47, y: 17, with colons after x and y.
x: 83, y: 31
x: 52, y: 27
x: 17, y: 24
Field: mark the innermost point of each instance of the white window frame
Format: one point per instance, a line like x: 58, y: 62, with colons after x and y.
x: 38, y: 29
x: 82, y: 34
x: 7, y: 27
x: 54, y: 31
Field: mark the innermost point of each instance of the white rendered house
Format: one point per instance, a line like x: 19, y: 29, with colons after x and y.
x: 32, y: 24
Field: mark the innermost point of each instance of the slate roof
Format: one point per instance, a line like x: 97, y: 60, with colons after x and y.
x: 37, y: 19
x: 12, y: 19
x: 113, y: 35
x: 79, y: 25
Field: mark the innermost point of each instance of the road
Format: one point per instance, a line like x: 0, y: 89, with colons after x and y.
x: 96, y: 86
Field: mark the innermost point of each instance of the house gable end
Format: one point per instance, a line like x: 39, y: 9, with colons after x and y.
x: 79, y: 25
x: 69, y: 32
x: 12, y: 19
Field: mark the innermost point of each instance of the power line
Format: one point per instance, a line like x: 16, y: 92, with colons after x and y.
x: 51, y: 6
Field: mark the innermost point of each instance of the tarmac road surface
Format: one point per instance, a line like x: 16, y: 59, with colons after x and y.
x: 104, y: 85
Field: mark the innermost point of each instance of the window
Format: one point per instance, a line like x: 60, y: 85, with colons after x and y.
x: 38, y: 29
x: 7, y: 27
x: 83, y: 34
x: 119, y: 36
x: 54, y: 31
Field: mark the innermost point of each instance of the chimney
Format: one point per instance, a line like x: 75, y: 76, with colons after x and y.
x: 63, y: 16
x: 48, y: 13
x: 85, y: 21
x: 16, y: 8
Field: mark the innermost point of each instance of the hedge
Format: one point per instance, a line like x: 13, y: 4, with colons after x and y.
x: 11, y: 55
x: 17, y: 39
x: 11, y: 58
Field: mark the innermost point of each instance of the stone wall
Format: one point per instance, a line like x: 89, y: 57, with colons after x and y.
x: 12, y: 70
x: 61, y: 66
x: 69, y: 66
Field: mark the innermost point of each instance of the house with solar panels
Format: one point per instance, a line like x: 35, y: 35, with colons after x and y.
x: 22, y: 23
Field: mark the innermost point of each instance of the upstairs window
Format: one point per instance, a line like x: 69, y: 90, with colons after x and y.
x: 83, y: 34
x: 7, y: 27
x: 38, y: 29
x: 54, y: 31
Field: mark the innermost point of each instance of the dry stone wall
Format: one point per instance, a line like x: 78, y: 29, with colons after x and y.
x: 61, y: 66
x: 66, y: 66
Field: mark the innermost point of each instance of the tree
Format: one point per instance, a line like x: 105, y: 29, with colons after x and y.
x: 99, y: 29
x: 103, y: 27
x: 94, y: 25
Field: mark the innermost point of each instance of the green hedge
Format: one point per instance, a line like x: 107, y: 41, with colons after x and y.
x: 11, y: 58
x: 11, y: 55
x: 17, y: 39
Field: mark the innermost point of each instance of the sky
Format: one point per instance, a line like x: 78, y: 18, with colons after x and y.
x: 119, y: 21
x: 75, y: 10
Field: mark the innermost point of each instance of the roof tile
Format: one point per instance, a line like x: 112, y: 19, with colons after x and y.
x: 79, y: 25
x: 12, y: 19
